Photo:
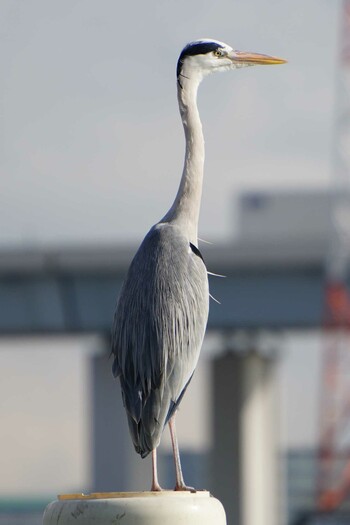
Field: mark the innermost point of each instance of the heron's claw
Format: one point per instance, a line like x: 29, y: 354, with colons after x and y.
x: 184, y: 488
x: 156, y: 487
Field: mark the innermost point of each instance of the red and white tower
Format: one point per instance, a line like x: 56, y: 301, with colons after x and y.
x: 333, y: 484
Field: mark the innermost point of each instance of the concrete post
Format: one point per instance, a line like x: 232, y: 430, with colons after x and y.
x: 259, y: 442
x: 141, y: 508
x: 244, y: 463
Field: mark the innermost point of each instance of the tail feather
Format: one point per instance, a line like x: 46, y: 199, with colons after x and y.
x: 146, y: 430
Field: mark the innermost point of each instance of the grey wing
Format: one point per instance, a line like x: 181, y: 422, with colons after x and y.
x: 158, y: 330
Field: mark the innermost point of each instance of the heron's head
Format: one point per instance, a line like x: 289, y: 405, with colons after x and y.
x: 201, y: 57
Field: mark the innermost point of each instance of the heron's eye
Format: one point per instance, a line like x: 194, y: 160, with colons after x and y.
x: 218, y: 53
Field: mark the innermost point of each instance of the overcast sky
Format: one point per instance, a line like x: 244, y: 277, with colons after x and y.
x: 91, y: 141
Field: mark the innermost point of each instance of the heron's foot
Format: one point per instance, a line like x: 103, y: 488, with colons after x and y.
x: 156, y: 487
x: 181, y: 487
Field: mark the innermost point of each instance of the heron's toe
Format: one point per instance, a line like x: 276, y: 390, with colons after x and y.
x: 184, y: 488
x: 156, y: 487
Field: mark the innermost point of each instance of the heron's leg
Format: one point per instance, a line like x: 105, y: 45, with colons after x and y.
x: 180, y: 484
x: 155, y: 485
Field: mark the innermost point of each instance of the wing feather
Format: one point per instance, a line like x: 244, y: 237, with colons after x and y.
x: 158, y: 330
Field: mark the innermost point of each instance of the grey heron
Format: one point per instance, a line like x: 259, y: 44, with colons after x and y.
x: 162, y: 310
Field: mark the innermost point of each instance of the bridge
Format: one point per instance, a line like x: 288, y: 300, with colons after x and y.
x: 74, y: 290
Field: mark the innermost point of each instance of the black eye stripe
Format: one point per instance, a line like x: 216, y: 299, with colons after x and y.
x: 198, y: 48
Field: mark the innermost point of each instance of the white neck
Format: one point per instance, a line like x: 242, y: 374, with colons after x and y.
x: 185, y: 209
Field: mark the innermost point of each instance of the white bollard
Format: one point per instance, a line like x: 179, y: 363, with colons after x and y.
x: 136, y: 508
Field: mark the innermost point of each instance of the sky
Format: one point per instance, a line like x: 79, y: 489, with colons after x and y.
x: 92, y: 144
x: 91, y: 151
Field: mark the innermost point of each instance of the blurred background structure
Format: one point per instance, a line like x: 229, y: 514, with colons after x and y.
x: 89, y: 121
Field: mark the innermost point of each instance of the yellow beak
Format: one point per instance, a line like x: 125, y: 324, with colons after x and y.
x: 255, y: 58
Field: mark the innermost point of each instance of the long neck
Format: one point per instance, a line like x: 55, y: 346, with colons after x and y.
x: 185, y: 209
